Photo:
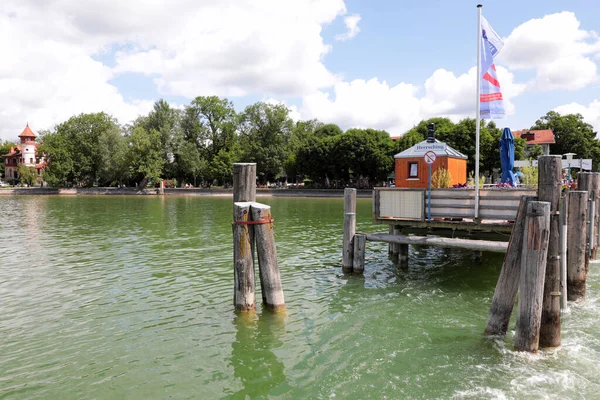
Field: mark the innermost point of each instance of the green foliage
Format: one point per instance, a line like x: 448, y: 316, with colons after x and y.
x: 535, y: 151
x: 529, y: 176
x: 4, y: 149
x: 145, y: 155
x: 265, y: 132
x: 27, y: 175
x: 572, y: 135
x: 328, y: 130
x: 441, y: 178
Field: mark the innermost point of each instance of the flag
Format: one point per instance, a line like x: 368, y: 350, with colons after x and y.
x: 491, y: 103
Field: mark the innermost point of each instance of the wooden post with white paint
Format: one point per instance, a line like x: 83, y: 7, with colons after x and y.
x: 270, y: 280
x: 349, y: 228
x: 549, y: 190
x: 532, y: 274
x: 507, y: 286
x: 576, y: 242
x: 243, y: 258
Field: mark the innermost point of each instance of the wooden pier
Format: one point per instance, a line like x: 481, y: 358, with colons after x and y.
x: 552, y: 239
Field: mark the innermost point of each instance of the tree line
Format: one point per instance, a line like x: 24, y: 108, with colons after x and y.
x: 199, y: 144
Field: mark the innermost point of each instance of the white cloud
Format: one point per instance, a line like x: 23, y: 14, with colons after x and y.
x: 50, y: 49
x: 561, y: 53
x: 366, y: 104
x: 351, y: 23
x: 591, y: 113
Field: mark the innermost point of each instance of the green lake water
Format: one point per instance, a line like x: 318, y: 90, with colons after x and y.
x: 131, y: 298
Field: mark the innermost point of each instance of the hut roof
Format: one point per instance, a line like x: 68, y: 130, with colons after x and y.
x: 440, y: 149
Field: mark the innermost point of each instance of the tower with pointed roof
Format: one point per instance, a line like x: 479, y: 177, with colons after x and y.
x: 24, y: 153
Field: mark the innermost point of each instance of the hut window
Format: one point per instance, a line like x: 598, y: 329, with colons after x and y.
x: 413, y: 169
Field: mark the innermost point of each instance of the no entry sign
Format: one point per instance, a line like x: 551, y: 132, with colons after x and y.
x: 429, y: 157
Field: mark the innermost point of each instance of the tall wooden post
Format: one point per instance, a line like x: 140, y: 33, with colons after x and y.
x: 244, y: 182
x: 549, y: 189
x: 531, y: 282
x: 244, y: 191
x: 403, y: 252
x: 564, y: 208
x: 576, y: 242
x: 391, y: 245
x: 360, y: 243
x: 243, y: 259
x: 590, y: 182
x: 508, y: 281
x: 270, y: 281
x: 349, y: 228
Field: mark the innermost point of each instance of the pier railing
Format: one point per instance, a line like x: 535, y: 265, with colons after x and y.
x: 412, y: 204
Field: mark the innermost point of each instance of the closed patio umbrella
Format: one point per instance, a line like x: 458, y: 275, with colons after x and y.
x: 507, y: 157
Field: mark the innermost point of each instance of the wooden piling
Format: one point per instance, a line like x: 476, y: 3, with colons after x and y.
x: 243, y: 260
x: 395, y: 246
x: 391, y: 245
x: 564, y: 209
x: 349, y: 228
x: 508, y: 281
x: 590, y: 182
x: 531, y: 282
x: 591, y: 242
x: 549, y: 189
x: 403, y: 252
x: 576, y: 242
x: 272, y: 290
x: 244, y: 182
x: 358, y: 262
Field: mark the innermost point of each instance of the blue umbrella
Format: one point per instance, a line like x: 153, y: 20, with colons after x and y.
x: 507, y: 157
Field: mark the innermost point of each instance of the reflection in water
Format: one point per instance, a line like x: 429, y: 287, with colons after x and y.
x: 255, y: 364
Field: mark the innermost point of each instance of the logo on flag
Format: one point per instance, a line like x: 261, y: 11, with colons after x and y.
x: 491, y: 102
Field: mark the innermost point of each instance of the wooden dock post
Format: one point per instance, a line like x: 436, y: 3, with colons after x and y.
x: 533, y: 271
x: 396, y: 247
x: 576, y: 241
x: 349, y: 228
x: 358, y: 262
x: 244, y: 191
x: 590, y: 182
x: 591, y: 241
x: 244, y: 182
x: 403, y: 252
x: 508, y: 281
x: 391, y: 245
x: 564, y: 209
x: 243, y: 259
x: 270, y: 281
x: 549, y: 189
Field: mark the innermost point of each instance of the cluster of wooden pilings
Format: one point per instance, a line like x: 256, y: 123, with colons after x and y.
x: 253, y: 228
x: 547, y: 260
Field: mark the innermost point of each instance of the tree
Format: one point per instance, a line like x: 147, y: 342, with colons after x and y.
x: 328, y: 130
x: 572, y: 135
x: 27, y: 175
x: 191, y: 161
x: 114, y: 166
x: 145, y: 155
x: 265, y: 132
x: 58, y: 150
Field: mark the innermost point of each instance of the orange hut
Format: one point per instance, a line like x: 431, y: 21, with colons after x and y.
x: 411, y: 168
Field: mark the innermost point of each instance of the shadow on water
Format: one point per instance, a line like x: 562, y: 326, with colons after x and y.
x: 254, y: 362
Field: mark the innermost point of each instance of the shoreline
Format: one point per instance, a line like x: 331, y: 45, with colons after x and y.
x: 110, y: 191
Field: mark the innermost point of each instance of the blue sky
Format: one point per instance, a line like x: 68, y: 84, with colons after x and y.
x: 120, y: 58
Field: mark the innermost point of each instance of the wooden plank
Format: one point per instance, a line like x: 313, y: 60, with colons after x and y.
x: 549, y: 189
x: 507, y: 286
x: 532, y: 274
x: 480, y: 245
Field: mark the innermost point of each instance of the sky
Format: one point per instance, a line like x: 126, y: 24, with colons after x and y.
x: 384, y: 64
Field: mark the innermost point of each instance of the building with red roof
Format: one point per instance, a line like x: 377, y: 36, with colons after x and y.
x: 24, y: 153
x: 541, y: 137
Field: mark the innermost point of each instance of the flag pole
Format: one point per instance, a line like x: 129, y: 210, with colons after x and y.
x: 478, y: 111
